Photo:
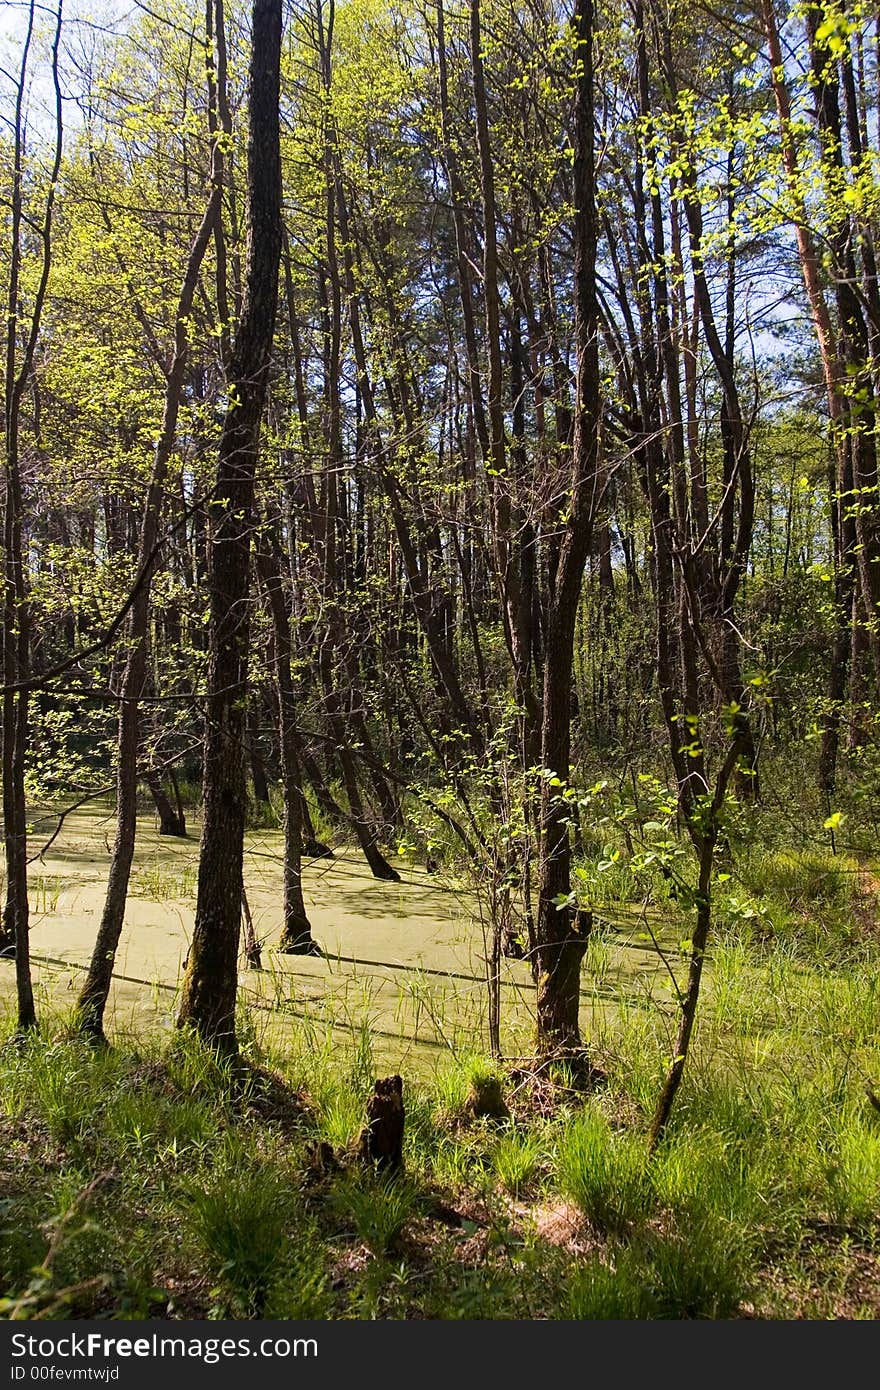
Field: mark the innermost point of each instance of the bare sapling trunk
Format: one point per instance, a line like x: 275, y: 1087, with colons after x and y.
x: 835, y: 377
x: 259, y: 780
x: 330, y: 657
x: 252, y: 946
x: 95, y: 990
x: 296, y: 935
x: 704, y: 824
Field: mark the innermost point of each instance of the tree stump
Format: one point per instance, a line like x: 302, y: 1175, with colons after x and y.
x: 486, y: 1099
x: 381, y: 1140
x: 316, y: 849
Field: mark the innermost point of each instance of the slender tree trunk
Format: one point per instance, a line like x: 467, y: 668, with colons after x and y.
x: 854, y: 337
x: 296, y: 935
x: 834, y: 373
x: 210, y: 984
x: 95, y: 990
x: 259, y: 780
x: 16, y: 611
x: 704, y: 832
x: 252, y: 949
x: 171, y: 819
x: 331, y: 652
x: 561, y: 932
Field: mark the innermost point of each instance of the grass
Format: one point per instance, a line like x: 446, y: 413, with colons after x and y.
x: 161, y: 883
x: 379, y: 1208
x: 149, y: 1180
x: 603, y: 1173
x: 45, y: 892
x: 853, y: 1176
x: 618, y: 1291
x: 208, y: 1204
x: 517, y: 1158
x: 800, y: 878
x: 698, y: 1272
x: 246, y: 1218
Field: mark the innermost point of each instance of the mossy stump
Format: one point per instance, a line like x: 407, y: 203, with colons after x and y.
x: 381, y: 1139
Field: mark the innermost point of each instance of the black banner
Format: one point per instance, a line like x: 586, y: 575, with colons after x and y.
x: 196, y: 1355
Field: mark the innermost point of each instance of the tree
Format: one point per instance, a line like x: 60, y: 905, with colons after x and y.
x: 561, y: 937
x: 96, y: 987
x: 22, y: 334
x: 210, y: 984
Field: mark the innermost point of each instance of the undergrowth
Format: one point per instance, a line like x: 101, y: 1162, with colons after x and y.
x: 152, y: 1180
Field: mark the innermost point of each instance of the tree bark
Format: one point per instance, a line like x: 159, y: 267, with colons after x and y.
x: 704, y: 829
x: 381, y: 1140
x: 210, y: 984
x: 259, y: 780
x: 171, y: 820
x: 296, y: 935
x: 834, y: 372
x: 16, y: 608
x: 561, y: 936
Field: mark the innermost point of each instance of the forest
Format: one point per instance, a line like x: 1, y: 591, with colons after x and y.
x: 440, y: 660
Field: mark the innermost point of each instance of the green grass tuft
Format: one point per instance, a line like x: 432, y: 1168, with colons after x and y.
x: 243, y: 1215
x: 599, y: 1292
x: 516, y: 1158
x: 379, y: 1207
x: 605, y: 1174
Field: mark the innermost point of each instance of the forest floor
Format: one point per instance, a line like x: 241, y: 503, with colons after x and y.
x: 145, y: 1180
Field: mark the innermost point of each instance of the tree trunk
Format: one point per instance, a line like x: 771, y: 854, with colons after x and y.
x: 95, y: 990
x: 834, y: 372
x: 16, y: 608
x: 171, y: 821
x: 704, y: 830
x: 258, y: 767
x: 381, y: 1140
x: 561, y: 935
x: 296, y: 936
x: 210, y: 984
x: 252, y: 951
